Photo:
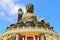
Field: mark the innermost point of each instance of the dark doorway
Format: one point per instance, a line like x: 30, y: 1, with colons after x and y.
x: 29, y: 38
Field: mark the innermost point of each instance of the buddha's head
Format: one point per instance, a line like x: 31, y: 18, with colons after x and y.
x: 30, y: 8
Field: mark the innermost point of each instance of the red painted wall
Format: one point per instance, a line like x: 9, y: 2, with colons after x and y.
x: 30, y: 38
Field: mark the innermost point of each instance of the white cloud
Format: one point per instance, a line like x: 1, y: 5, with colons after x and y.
x: 11, y: 8
x: 2, y: 14
x: 15, y: 8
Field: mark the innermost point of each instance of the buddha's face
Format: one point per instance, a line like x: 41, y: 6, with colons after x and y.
x: 29, y: 8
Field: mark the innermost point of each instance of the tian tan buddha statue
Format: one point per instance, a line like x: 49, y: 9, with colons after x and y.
x: 28, y: 16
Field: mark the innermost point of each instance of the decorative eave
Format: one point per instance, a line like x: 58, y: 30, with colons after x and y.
x: 30, y: 29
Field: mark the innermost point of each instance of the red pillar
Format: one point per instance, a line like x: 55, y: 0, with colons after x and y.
x: 36, y: 37
x: 23, y: 37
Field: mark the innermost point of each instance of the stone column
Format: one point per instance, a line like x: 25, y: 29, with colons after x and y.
x: 4, y: 38
x: 17, y: 36
x: 42, y: 37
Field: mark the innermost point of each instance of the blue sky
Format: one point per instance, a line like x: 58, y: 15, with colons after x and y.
x: 48, y: 9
